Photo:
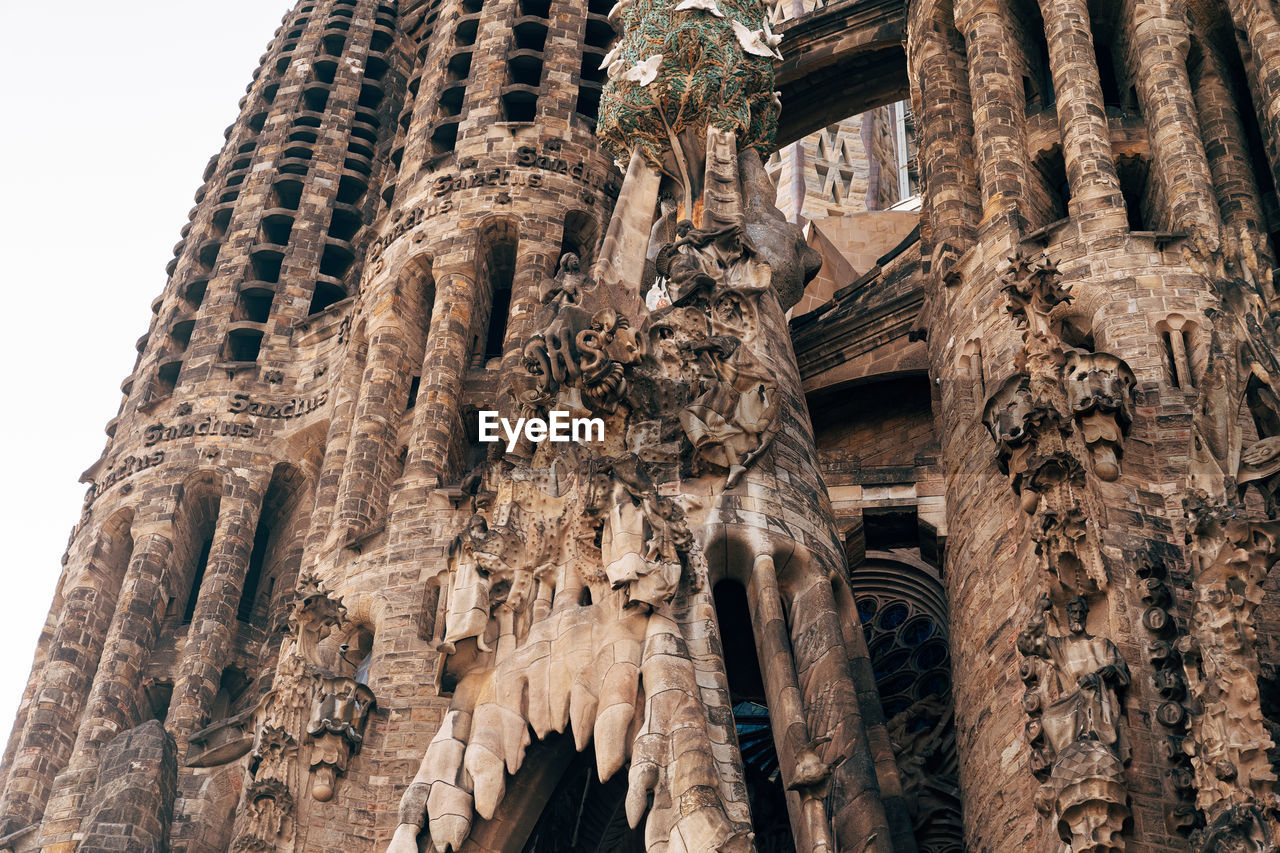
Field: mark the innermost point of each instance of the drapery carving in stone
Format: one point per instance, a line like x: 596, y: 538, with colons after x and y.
x: 1073, y: 685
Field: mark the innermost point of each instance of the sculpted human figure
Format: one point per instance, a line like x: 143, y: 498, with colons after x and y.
x: 566, y: 287
x: 642, y: 535
x: 697, y: 259
x: 1080, y: 684
x: 734, y: 418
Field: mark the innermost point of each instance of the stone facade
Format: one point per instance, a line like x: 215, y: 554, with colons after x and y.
x: 962, y: 541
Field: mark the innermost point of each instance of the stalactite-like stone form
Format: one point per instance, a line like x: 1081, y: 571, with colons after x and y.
x: 563, y: 598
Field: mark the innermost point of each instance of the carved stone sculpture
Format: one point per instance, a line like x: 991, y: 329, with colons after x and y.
x: 735, y: 417
x: 1098, y: 392
x: 1230, y: 739
x: 1078, y: 746
x: 310, y: 711
x: 341, y: 710
x: 1080, y: 681
x: 579, y: 347
x: 1170, y: 682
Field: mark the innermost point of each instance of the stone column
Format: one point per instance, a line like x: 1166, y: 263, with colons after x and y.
x: 538, y: 258
x: 336, y: 441
x: 437, y: 416
x: 1158, y: 42
x: 63, y: 687
x: 862, y: 814
x: 1097, y: 204
x: 857, y: 804
x: 208, y: 646
x: 113, y: 700
x: 384, y: 393
x: 998, y: 109
x: 1257, y: 21
x: 952, y: 202
x: 1239, y: 201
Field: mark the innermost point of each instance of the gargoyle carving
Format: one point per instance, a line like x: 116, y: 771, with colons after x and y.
x: 1099, y: 390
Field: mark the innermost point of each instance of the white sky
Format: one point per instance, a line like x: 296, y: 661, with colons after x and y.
x: 108, y: 114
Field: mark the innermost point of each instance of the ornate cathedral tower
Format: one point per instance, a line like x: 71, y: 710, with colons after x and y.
x: 1100, y: 279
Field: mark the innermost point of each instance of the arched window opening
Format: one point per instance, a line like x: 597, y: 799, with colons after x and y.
x: 195, y: 526
x: 1052, y: 201
x: 474, y: 454
x: 1037, y: 79
x: 499, y: 311
x: 580, y: 236
x: 253, y: 578
x: 231, y: 688
x: 902, y: 609
x: 497, y: 268
x: 158, y: 695
x: 763, y: 778
x: 419, y: 286
x: 525, y: 61
x: 1134, y: 174
x: 596, y: 42
x: 197, y: 579
x: 276, y: 546
x: 1117, y: 97
x: 1112, y: 94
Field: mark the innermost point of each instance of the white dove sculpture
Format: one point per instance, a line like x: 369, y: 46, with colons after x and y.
x: 753, y: 41
x: 705, y: 5
x: 644, y: 72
